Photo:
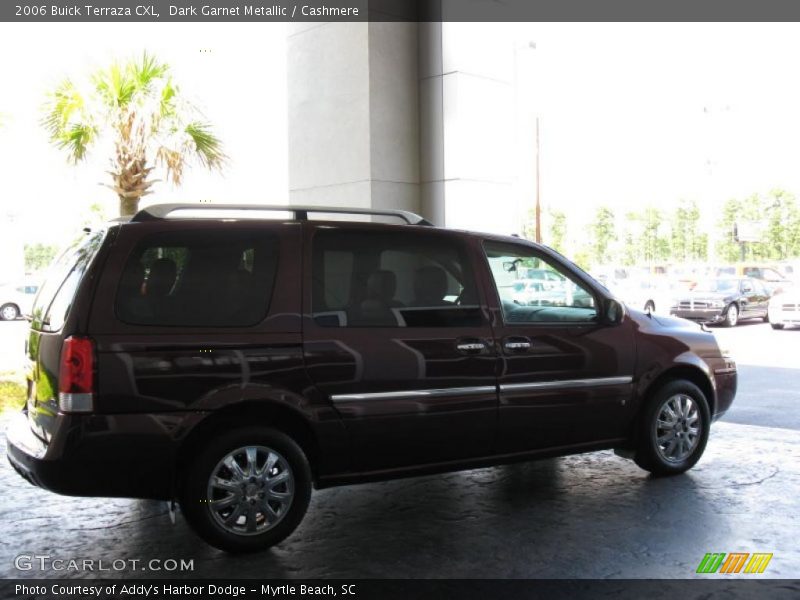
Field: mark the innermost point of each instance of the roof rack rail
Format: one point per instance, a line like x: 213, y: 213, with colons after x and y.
x: 161, y: 211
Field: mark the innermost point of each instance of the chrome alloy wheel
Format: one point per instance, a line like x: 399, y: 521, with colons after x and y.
x: 250, y: 490
x: 678, y: 428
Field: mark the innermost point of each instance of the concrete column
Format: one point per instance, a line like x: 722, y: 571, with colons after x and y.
x: 466, y: 119
x: 401, y: 115
x: 353, y: 115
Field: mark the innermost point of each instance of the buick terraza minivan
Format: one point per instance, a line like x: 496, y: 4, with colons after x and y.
x: 232, y: 360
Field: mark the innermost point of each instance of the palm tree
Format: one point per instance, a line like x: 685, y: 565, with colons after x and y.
x: 137, y: 107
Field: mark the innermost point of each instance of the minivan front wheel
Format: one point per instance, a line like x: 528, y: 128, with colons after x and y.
x: 673, y: 429
x: 247, y: 490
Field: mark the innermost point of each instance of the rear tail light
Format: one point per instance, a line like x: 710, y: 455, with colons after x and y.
x: 76, y: 376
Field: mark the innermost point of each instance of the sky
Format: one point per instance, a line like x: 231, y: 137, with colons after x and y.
x: 636, y: 113
x: 629, y: 113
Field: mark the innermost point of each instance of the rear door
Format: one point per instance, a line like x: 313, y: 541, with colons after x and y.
x: 396, y: 337
x: 565, y: 378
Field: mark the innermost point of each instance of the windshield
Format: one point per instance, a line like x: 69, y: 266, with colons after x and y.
x: 717, y: 285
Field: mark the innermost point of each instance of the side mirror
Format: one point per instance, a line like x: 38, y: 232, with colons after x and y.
x: 613, y: 312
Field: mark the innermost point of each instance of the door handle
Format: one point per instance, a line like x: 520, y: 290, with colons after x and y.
x: 517, y: 344
x: 471, y: 346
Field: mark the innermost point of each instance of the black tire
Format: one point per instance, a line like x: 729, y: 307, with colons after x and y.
x: 194, y: 489
x: 9, y: 312
x: 648, y: 455
x: 731, y: 315
x: 776, y: 325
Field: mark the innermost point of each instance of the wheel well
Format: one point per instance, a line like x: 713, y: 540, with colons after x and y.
x: 14, y: 304
x: 274, y: 415
x: 693, y: 374
x: 687, y: 372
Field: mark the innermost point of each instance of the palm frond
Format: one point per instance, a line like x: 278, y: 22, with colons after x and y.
x: 76, y: 139
x: 115, y: 86
x: 61, y: 106
x: 167, y: 101
x: 207, y: 146
x: 66, y: 122
x: 145, y: 72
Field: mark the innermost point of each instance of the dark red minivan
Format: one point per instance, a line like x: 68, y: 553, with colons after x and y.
x: 233, y: 357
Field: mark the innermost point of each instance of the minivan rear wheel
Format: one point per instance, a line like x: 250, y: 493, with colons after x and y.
x: 247, y: 490
x: 673, y: 429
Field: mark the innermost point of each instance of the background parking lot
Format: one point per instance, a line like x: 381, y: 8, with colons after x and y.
x: 594, y: 515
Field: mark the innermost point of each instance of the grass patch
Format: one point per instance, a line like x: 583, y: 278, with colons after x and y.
x: 12, y: 396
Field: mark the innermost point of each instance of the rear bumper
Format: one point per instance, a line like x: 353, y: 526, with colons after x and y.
x: 85, y: 465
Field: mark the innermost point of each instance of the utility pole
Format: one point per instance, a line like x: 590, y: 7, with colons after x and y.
x: 538, y: 190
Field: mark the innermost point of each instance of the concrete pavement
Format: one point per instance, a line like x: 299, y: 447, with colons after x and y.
x: 591, y: 516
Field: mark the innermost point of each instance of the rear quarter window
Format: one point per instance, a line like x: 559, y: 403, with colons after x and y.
x: 55, y: 297
x: 198, y: 279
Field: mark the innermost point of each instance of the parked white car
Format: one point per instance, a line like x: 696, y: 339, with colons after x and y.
x: 784, y: 308
x: 650, y: 295
x: 16, y: 300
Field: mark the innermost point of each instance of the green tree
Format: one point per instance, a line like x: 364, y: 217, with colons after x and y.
x: 687, y: 244
x: 39, y: 256
x: 138, y: 106
x: 782, y: 232
x: 776, y: 214
x: 558, y: 230
x: 645, y: 240
x: 727, y: 247
x: 602, y: 234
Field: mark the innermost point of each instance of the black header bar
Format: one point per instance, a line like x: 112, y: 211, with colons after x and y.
x: 107, y: 11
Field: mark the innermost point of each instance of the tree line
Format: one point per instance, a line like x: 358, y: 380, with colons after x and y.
x: 677, y: 235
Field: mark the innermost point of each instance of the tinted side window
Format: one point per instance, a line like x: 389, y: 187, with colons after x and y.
x: 549, y: 294
x: 199, y: 279
x: 375, y: 279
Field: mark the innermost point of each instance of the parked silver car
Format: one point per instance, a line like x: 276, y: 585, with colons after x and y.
x: 16, y: 299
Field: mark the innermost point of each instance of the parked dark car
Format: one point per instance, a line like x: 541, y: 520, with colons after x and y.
x: 725, y: 300
x: 233, y: 364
